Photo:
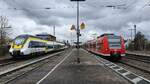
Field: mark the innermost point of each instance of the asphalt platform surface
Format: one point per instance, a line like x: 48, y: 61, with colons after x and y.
x: 65, y: 70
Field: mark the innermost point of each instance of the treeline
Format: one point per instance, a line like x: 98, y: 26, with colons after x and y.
x: 4, y: 35
x: 139, y: 43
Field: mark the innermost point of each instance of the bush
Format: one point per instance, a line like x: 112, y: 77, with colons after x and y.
x: 4, y: 50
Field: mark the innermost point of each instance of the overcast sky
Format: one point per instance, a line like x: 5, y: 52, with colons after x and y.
x: 31, y: 17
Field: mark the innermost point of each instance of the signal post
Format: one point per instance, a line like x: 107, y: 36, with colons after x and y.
x: 78, y: 30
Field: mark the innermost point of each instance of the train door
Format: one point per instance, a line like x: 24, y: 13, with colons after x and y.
x: 99, y: 45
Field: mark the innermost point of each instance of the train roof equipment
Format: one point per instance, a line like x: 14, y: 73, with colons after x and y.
x: 107, y: 34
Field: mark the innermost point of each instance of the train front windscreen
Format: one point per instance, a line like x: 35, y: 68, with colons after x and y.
x: 114, y: 42
x: 19, y: 41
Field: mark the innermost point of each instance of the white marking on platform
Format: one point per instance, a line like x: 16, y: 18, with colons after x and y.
x: 109, y: 64
x: 124, y: 74
x: 119, y: 69
x: 54, y: 68
x: 113, y: 66
x: 135, y: 80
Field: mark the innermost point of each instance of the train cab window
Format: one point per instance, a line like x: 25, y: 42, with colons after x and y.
x: 114, y: 42
x: 19, y: 41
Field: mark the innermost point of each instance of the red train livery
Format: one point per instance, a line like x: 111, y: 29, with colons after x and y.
x: 107, y: 45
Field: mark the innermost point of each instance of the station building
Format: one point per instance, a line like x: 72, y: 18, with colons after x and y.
x: 48, y: 37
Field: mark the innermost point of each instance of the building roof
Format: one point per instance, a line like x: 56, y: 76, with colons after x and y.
x: 45, y: 35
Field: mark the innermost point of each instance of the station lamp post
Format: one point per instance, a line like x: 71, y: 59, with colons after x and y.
x: 78, y: 29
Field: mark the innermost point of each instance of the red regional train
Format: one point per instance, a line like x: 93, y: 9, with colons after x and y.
x: 109, y: 46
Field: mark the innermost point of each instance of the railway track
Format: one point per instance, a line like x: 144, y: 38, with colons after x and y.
x: 26, y: 64
x: 10, y: 61
x: 136, y: 67
x: 7, y: 62
x: 124, y: 72
x: 145, y: 59
x: 27, y: 67
x: 23, y: 72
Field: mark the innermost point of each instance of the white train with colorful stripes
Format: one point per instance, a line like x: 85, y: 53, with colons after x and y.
x: 27, y: 45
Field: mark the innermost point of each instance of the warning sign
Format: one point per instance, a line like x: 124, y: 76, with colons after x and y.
x: 82, y: 26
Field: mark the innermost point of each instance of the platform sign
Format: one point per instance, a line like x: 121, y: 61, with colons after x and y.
x: 73, y: 27
x: 82, y: 26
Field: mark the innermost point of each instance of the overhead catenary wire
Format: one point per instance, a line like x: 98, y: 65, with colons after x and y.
x: 119, y: 6
x: 55, y: 7
x: 66, y: 7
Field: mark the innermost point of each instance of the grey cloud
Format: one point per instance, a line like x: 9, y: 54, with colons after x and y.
x: 93, y: 12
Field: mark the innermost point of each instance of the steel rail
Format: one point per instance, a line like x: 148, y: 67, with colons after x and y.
x: 2, y: 73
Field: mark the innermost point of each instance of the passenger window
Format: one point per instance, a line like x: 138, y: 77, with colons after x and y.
x: 35, y: 44
x: 30, y: 45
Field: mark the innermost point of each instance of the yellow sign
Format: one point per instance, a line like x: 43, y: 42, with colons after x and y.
x: 82, y: 26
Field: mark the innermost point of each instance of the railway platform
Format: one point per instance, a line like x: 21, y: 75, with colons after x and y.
x: 7, y: 56
x: 66, y: 70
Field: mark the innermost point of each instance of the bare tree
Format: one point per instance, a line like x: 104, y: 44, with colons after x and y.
x: 3, y: 29
x: 140, y: 41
